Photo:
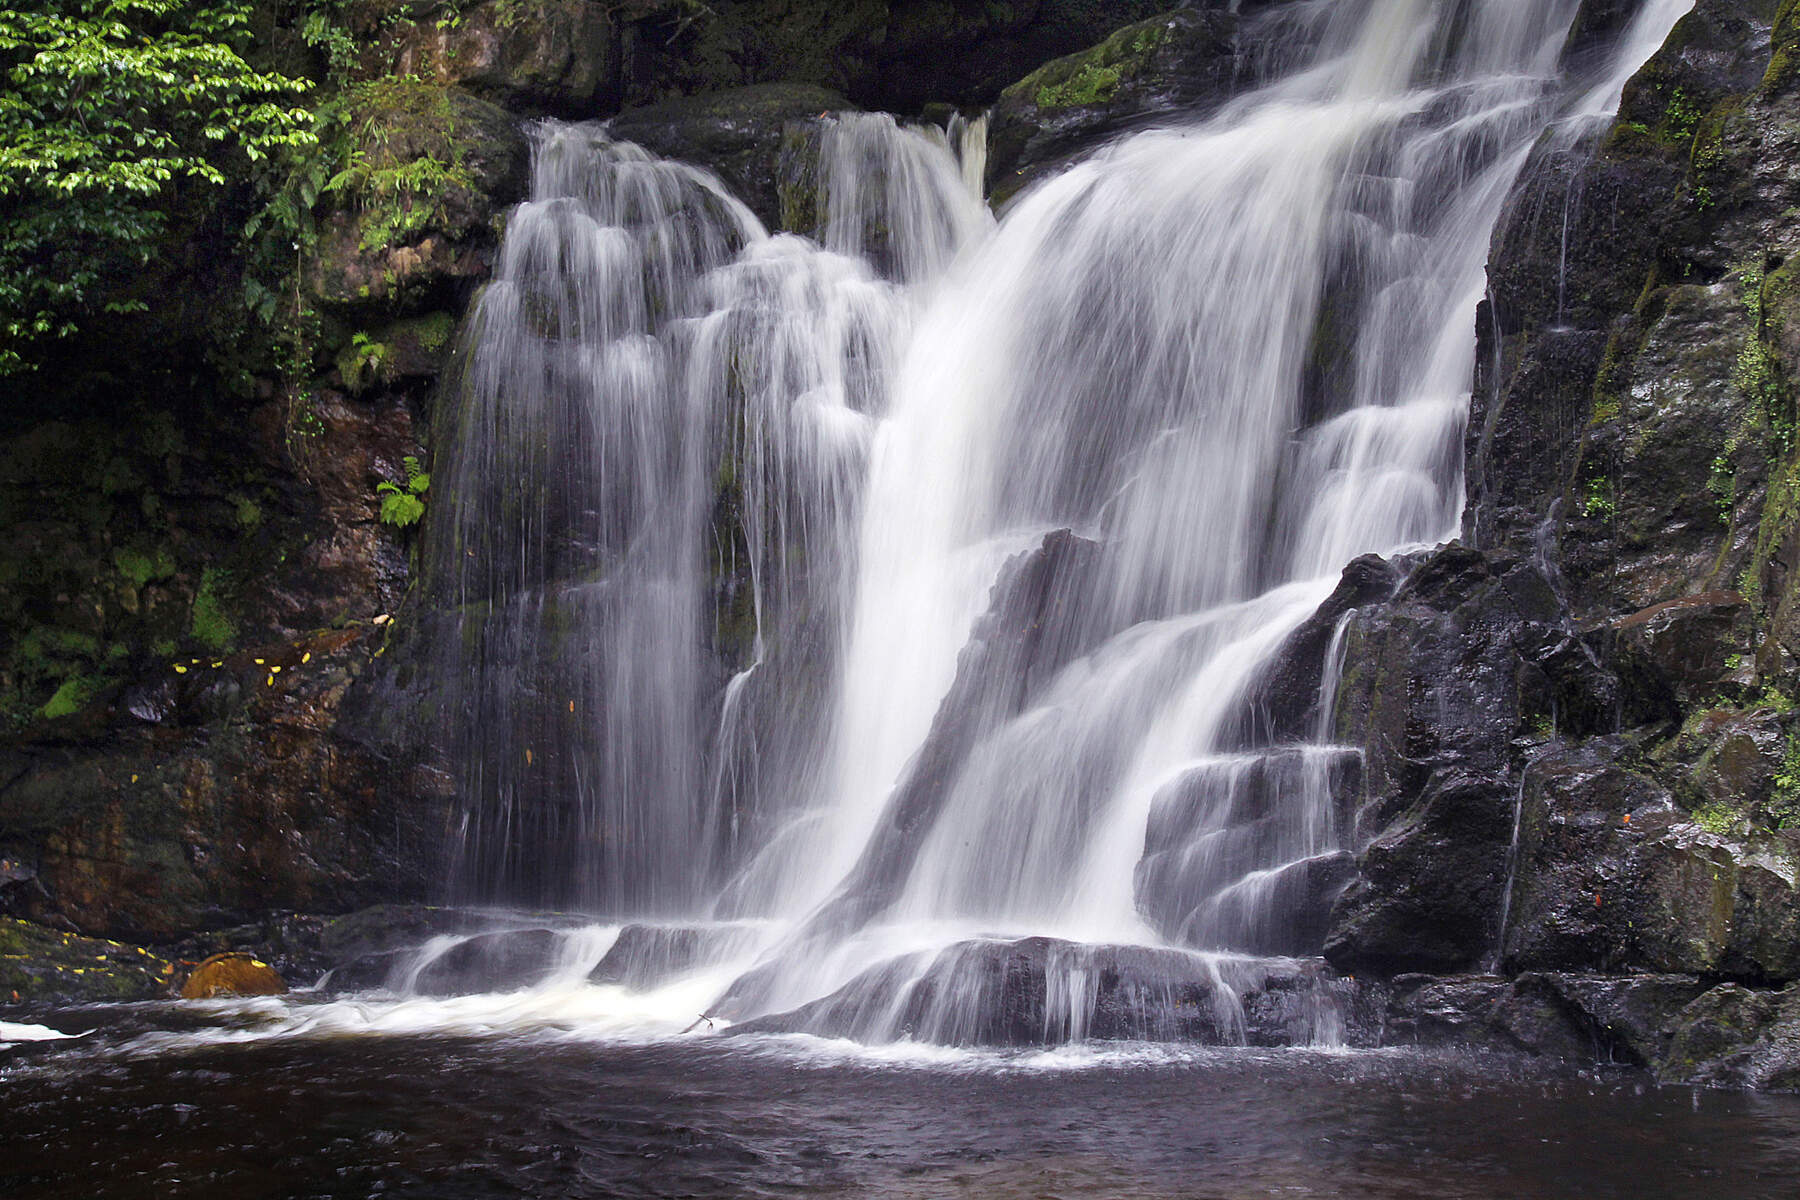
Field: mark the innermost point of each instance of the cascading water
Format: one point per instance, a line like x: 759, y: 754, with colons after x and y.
x: 1028, y: 515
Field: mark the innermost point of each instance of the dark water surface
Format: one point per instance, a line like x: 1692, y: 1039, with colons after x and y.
x: 467, y: 1117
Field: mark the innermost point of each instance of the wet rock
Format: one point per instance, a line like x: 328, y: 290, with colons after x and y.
x: 1042, y: 991
x: 1616, y: 323
x: 735, y: 134
x: 1612, y: 874
x: 1283, y: 704
x: 1230, y: 859
x: 1185, y: 62
x: 19, y: 884
x: 891, y: 55
x: 1574, y: 1018
x: 494, y: 961
x: 1697, y: 643
x: 558, y: 55
x: 39, y: 964
x: 1444, y: 686
x: 1733, y: 1036
x: 646, y: 956
x: 232, y: 975
x: 1032, y: 628
x: 382, y: 928
x: 393, y: 250
x: 491, y: 962
x: 272, y: 804
x: 1630, y: 1019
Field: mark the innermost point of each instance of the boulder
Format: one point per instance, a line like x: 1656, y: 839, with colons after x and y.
x: 1698, y: 644
x: 646, y: 956
x: 1734, y: 1036
x: 1178, y: 65
x: 232, y: 975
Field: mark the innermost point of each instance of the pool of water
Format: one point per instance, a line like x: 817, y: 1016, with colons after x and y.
x: 545, y: 1116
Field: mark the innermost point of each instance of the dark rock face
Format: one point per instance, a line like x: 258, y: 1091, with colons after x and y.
x: 737, y: 134
x: 1576, y: 728
x: 1629, y: 356
x: 895, y: 55
x: 1436, y: 683
x: 249, y: 795
x: 1694, y: 643
x: 562, y: 56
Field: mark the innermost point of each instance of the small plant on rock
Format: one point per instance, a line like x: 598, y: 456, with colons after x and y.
x: 403, y: 504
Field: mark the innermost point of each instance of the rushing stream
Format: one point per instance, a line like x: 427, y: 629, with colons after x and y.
x: 875, y: 632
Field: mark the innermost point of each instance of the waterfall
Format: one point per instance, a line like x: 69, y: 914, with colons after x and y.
x: 917, y: 582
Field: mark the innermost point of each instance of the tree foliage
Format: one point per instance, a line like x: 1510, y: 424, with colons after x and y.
x: 110, y: 110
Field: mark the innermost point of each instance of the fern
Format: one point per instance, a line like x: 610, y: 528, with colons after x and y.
x: 401, y: 504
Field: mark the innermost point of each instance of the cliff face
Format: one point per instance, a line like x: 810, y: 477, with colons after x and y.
x: 1579, y: 808
x: 1581, y: 745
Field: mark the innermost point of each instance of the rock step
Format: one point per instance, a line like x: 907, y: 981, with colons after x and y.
x: 1046, y: 991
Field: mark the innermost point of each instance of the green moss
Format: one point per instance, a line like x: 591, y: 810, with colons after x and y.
x: 1716, y: 818
x: 48, y: 646
x: 209, y: 625
x: 1094, y: 76
x: 39, y: 964
x: 1093, y: 84
x: 1784, y: 60
x: 72, y: 696
x: 143, y: 567
x: 432, y: 331
x: 247, y: 512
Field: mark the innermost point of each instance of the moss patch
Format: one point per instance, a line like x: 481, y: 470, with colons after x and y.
x: 209, y: 625
x: 1095, y: 76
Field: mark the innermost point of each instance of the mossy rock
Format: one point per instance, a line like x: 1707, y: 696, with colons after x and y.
x: 39, y: 964
x: 561, y: 56
x: 427, y: 172
x: 1185, y: 62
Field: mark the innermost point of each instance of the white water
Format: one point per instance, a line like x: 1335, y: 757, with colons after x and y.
x: 1232, y: 355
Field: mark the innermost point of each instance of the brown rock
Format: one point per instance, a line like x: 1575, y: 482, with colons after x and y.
x: 232, y: 975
